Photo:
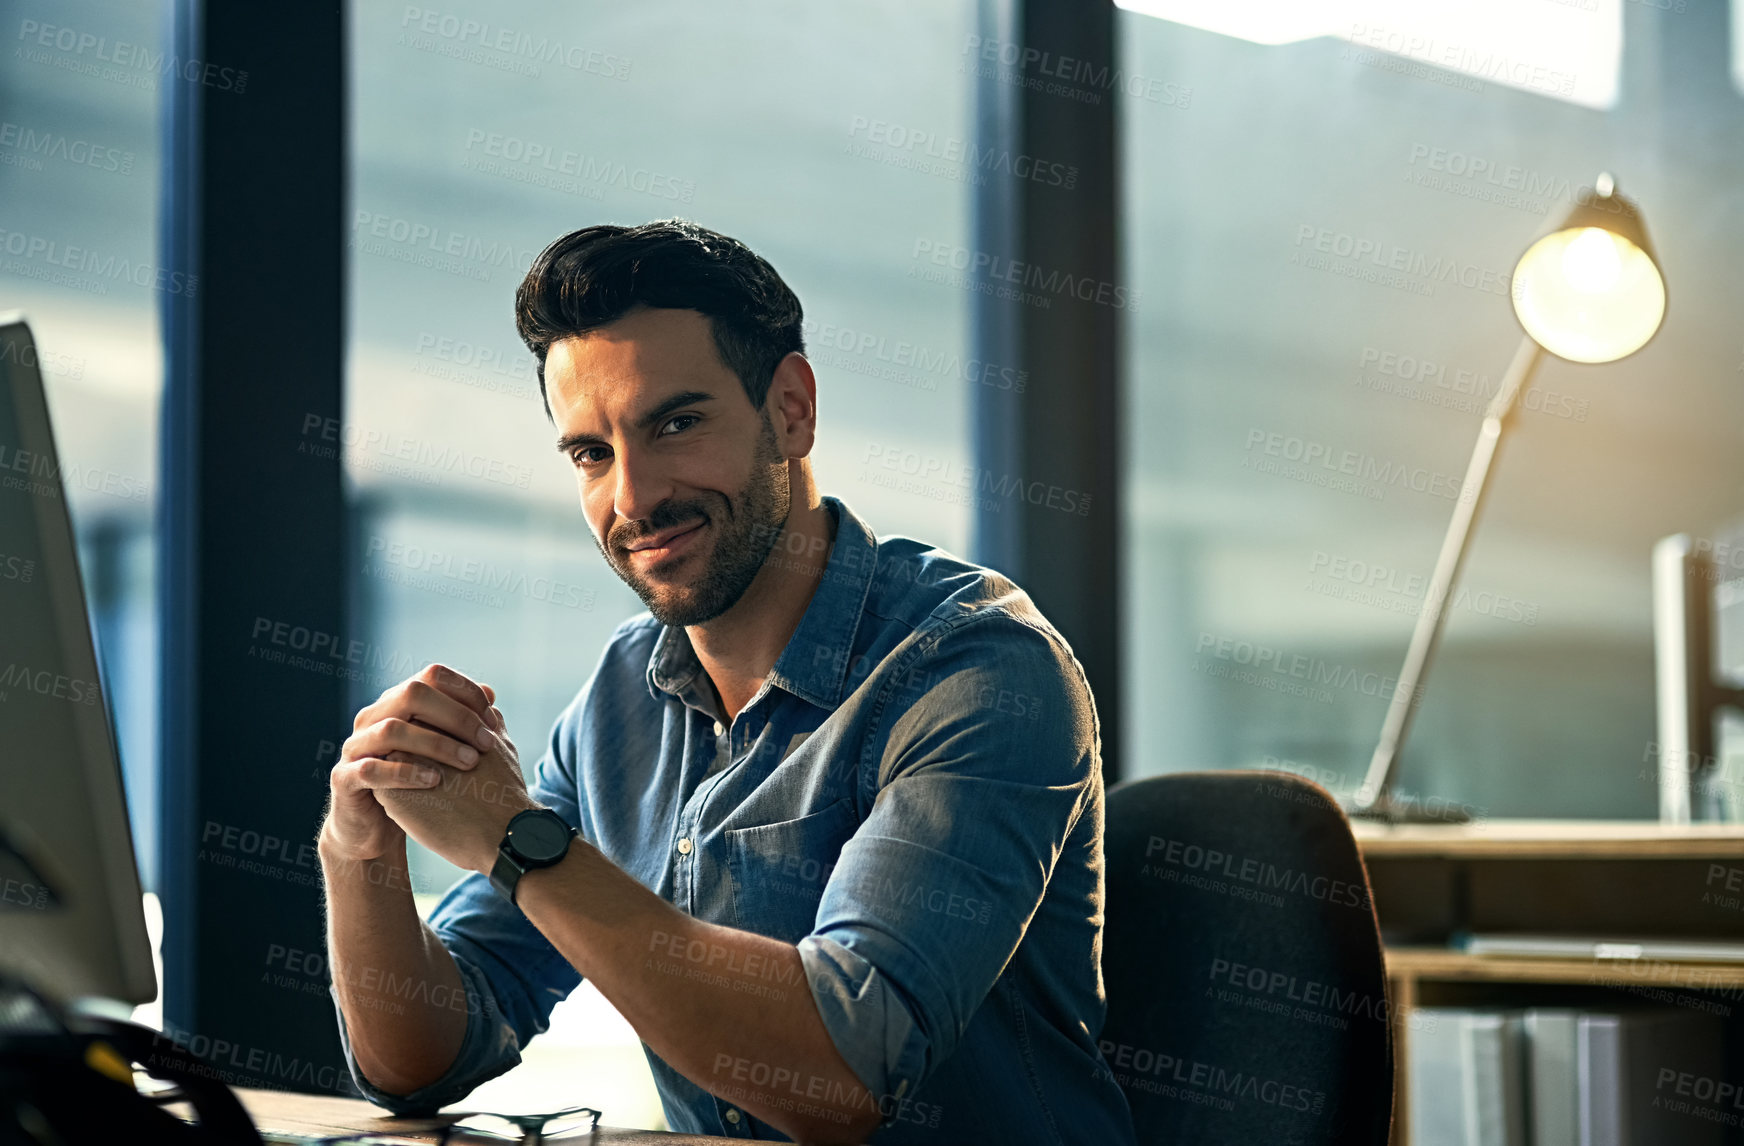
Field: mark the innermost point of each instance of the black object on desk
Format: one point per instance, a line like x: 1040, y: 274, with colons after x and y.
x: 68, y: 1078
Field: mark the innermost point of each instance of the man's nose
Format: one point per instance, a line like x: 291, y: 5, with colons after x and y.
x: 641, y: 486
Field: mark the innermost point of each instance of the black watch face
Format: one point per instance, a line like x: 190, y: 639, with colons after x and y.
x: 539, y: 836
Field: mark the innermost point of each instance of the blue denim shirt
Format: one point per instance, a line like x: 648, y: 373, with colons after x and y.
x: 914, y: 798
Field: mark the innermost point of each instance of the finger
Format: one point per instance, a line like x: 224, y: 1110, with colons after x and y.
x: 457, y: 685
x: 376, y: 773
x: 497, y: 717
x: 433, y: 708
x: 460, y: 749
x: 490, y: 693
x: 430, y: 745
x: 443, y: 771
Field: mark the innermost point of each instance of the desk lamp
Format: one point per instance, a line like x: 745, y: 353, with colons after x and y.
x: 1589, y: 290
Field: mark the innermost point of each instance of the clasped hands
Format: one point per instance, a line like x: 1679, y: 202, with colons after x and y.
x: 430, y: 759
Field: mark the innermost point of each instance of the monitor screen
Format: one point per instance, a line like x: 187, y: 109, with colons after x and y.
x: 71, y: 920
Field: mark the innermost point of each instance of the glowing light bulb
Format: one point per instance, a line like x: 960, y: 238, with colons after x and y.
x: 1591, y: 262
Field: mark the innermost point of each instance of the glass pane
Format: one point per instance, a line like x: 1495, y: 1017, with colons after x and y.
x: 1329, y: 237
x: 79, y: 174
x: 483, y: 132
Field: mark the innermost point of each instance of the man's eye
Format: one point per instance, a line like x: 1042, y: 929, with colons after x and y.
x: 674, y: 427
x: 584, y: 456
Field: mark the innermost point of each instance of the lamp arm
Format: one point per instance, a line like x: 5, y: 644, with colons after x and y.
x: 1372, y: 796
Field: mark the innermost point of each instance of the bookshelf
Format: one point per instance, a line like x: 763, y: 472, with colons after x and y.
x: 1598, y: 878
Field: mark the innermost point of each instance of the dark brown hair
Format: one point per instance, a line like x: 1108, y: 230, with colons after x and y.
x: 592, y: 277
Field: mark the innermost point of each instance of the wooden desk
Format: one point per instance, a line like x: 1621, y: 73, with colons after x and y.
x: 315, y: 1114
x: 1598, y: 878
x: 1550, y: 839
x: 1617, y: 878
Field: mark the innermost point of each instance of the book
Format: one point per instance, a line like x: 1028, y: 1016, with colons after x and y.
x: 1561, y: 1076
x: 1434, y: 1079
x: 1599, y: 1050
x: 1466, y: 1078
x: 1553, y: 1075
x: 1496, y: 1088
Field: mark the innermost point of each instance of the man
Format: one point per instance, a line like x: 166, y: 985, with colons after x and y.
x: 839, y: 799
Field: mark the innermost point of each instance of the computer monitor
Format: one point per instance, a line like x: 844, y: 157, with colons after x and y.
x: 1698, y: 589
x: 72, y: 925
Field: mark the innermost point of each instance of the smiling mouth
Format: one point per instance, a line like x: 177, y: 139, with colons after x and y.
x: 662, y: 546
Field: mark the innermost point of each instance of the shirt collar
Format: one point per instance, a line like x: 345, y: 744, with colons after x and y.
x: 815, y: 662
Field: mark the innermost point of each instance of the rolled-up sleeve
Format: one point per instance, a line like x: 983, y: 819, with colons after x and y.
x: 989, y: 749
x: 512, y: 975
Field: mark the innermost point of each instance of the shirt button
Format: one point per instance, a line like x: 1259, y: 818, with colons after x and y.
x: 684, y: 846
x: 733, y: 1117
x: 719, y: 728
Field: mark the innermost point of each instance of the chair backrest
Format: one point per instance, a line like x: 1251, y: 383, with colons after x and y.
x: 1247, y: 995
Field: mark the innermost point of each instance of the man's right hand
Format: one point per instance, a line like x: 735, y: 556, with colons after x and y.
x: 438, y: 716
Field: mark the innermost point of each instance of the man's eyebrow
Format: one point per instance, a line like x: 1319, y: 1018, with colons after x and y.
x: 683, y: 398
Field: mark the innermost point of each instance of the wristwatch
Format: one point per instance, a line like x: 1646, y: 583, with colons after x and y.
x: 536, y: 838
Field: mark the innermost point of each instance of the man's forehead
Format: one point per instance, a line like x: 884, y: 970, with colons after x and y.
x: 635, y: 358
x: 641, y: 340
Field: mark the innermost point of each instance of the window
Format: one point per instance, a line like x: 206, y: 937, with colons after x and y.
x: 1328, y: 238
x: 79, y: 175
x: 827, y: 138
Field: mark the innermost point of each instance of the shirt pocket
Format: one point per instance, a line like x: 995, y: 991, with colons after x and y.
x: 778, y: 871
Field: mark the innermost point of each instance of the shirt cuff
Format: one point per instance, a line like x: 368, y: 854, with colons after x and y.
x: 489, y: 1048
x: 868, y: 1021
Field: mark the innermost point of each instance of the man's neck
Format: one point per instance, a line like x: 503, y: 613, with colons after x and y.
x: 739, y: 648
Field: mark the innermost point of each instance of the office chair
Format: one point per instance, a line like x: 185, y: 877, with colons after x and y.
x: 1247, y: 1000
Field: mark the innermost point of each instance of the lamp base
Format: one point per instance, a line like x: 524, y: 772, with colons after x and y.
x: 1390, y: 811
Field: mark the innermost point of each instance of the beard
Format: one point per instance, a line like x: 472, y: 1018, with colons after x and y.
x: 746, y: 528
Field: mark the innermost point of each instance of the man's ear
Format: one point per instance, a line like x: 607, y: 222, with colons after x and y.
x: 792, y: 405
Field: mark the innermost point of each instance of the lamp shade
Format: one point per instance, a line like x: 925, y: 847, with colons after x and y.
x: 1591, y: 290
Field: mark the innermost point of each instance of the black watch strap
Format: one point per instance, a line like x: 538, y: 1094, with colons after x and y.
x: 537, y: 838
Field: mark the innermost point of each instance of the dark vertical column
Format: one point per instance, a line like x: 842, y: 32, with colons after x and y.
x: 252, y: 530
x: 1047, y: 86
